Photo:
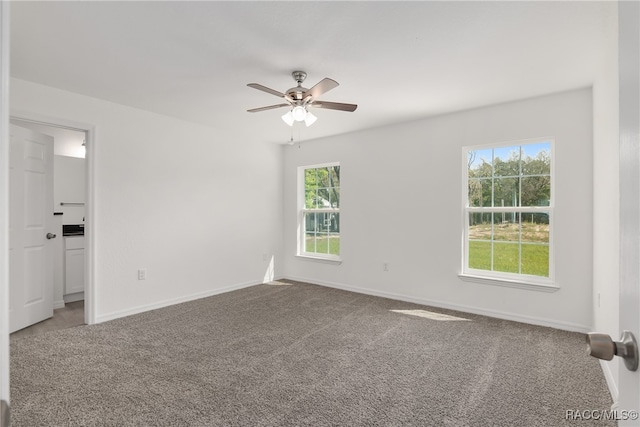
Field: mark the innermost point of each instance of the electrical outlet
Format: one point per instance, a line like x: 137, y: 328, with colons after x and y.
x: 385, y: 266
x: 142, y: 274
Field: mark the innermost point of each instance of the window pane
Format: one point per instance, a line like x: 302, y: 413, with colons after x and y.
x: 322, y: 177
x: 327, y: 198
x: 335, y: 197
x: 329, y: 176
x: 506, y: 192
x: 536, y: 159
x: 334, y: 222
x: 310, y: 242
x: 536, y: 190
x: 480, y: 227
x: 512, y: 176
x: 506, y: 161
x: 310, y: 188
x: 310, y: 179
x: 322, y: 192
x: 334, y: 176
x: 326, y: 243
x: 322, y: 188
x: 334, y: 244
x: 310, y: 199
x: 321, y: 222
x: 322, y: 243
x: 322, y: 233
x: 310, y: 222
x: 535, y: 259
x: 480, y: 255
x: 535, y: 228
x: 520, y: 242
x: 479, y: 162
x: 508, y: 230
x: 322, y: 199
x: 505, y: 257
x: 479, y: 192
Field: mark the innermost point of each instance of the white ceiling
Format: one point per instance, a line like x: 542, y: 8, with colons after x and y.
x: 398, y: 61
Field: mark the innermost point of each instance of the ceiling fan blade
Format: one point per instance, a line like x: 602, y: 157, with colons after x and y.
x: 324, y: 85
x: 266, y: 89
x: 270, y: 107
x: 334, y: 105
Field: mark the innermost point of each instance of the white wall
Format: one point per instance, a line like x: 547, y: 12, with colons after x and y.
x: 195, y: 207
x: 402, y: 204
x: 606, y: 198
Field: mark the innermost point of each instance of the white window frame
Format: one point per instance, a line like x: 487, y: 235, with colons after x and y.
x: 302, y: 210
x: 517, y: 280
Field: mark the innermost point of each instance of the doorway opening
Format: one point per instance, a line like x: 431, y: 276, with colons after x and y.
x: 72, y: 281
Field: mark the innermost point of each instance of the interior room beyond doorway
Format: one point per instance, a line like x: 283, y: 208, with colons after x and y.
x: 69, y: 193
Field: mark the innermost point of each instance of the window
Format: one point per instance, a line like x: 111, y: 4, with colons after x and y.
x: 320, y: 213
x: 508, y: 212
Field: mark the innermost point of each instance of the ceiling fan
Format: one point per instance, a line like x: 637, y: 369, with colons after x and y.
x: 299, y: 99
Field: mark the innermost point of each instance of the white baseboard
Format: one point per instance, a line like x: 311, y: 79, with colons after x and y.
x: 565, y: 326
x: 78, y: 296
x: 58, y: 304
x: 166, y: 303
x: 611, y: 382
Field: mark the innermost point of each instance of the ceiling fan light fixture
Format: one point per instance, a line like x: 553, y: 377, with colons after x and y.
x: 298, y: 99
x: 288, y: 118
x: 299, y: 113
x: 310, y: 119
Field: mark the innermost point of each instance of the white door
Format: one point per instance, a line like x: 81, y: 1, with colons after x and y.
x: 30, y: 227
x: 629, y: 61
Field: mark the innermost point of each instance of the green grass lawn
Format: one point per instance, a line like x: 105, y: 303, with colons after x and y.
x: 323, y: 244
x: 535, y: 258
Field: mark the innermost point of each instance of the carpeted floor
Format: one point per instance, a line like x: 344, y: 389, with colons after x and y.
x: 303, y: 355
x: 72, y: 314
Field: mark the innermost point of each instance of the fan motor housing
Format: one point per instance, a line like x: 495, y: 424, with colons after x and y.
x: 296, y: 92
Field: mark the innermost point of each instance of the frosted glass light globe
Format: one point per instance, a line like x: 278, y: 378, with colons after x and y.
x: 299, y: 113
x: 288, y: 118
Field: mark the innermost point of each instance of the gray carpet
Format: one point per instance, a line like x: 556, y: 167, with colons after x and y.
x: 303, y: 355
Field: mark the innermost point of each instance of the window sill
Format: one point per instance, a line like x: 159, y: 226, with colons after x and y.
x: 540, y: 287
x: 334, y: 261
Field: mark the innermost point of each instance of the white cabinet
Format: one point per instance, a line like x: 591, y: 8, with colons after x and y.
x: 74, y: 264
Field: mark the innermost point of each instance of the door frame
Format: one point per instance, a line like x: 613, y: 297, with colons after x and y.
x: 89, y: 261
x: 4, y: 201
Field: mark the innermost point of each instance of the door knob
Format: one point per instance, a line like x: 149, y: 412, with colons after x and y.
x: 603, y: 347
x: 51, y: 236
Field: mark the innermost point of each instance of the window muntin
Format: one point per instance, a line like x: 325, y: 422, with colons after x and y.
x: 320, y: 214
x: 508, y: 211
